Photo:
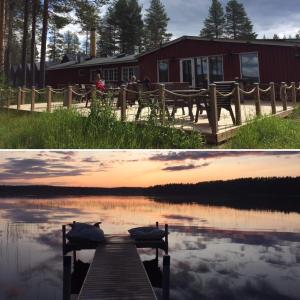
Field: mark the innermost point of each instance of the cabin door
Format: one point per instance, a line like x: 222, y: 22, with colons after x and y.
x: 187, y: 71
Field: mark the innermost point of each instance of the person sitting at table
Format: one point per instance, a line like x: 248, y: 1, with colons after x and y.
x: 132, y: 80
x: 100, y: 84
x: 146, y: 84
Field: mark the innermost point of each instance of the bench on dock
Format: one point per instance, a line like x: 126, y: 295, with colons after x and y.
x: 116, y: 271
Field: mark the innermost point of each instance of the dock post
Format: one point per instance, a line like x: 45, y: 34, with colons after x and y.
x: 32, y: 104
x: 257, y: 100
x: 167, y: 238
x: 294, y: 94
x: 69, y: 96
x: 66, y: 277
x: 123, y: 103
x: 213, y: 118
x: 166, y: 277
x: 273, y: 97
x: 238, y: 113
x: 162, y: 99
x: 63, y: 239
x: 283, y: 95
x: 19, y: 100
x: 48, y: 98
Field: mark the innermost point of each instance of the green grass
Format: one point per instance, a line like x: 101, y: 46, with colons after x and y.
x: 269, y: 133
x: 67, y: 129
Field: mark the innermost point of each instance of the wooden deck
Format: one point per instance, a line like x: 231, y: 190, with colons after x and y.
x: 117, y: 272
x: 182, y: 121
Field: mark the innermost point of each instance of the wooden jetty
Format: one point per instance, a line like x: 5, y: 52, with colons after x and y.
x: 116, y: 271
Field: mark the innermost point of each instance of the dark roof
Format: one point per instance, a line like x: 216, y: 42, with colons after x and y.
x: 62, y: 66
x: 284, y: 43
x: 96, y: 62
x: 108, y: 60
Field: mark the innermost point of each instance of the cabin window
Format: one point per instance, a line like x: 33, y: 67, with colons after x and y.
x: 201, y: 72
x: 216, y: 68
x: 163, y: 71
x: 128, y: 72
x: 249, y: 67
x: 93, y: 74
x: 110, y: 74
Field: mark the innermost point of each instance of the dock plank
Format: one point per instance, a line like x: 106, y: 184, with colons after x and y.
x: 117, y: 272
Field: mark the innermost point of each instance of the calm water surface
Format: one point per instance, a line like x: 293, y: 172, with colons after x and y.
x: 216, y: 252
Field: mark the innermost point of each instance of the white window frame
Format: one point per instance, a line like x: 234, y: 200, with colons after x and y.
x: 209, y: 66
x: 240, y: 58
x: 158, y: 62
x: 129, y: 67
x: 194, y: 67
x: 114, y: 72
x: 192, y: 59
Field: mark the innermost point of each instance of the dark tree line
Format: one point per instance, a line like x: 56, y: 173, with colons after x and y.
x: 246, y: 193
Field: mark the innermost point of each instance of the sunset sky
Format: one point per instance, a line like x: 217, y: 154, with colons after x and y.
x: 140, y: 168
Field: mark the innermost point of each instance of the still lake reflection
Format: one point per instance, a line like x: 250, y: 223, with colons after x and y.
x: 216, y: 252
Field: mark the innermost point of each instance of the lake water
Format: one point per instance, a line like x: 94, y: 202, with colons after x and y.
x: 216, y: 252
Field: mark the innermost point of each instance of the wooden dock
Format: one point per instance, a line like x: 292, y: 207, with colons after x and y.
x: 117, y: 272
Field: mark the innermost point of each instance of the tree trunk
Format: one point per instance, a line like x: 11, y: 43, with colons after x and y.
x: 24, y: 43
x: 44, y: 44
x: 33, y: 33
x: 10, y: 13
x: 2, y: 34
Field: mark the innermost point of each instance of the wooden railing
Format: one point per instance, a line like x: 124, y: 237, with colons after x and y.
x: 160, y: 94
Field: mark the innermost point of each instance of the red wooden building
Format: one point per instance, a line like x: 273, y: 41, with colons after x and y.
x: 194, y: 60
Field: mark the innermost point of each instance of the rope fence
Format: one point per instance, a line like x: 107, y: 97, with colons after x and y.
x: 140, y: 104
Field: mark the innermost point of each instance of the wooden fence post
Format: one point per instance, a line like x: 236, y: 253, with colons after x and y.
x: 162, y: 99
x: 238, y: 113
x: 294, y: 94
x: 19, y: 98
x: 48, y: 98
x: 283, y: 95
x: 69, y: 96
x: 23, y: 95
x: 123, y: 102
x: 9, y: 96
x: 213, y: 114
x: 273, y: 97
x: 32, y: 105
x: 257, y: 100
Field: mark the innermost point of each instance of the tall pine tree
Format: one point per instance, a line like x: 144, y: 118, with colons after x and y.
x: 107, y: 30
x: 126, y: 16
x: 215, y: 22
x: 238, y: 24
x: 71, y: 43
x: 56, y: 39
x: 156, y: 24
